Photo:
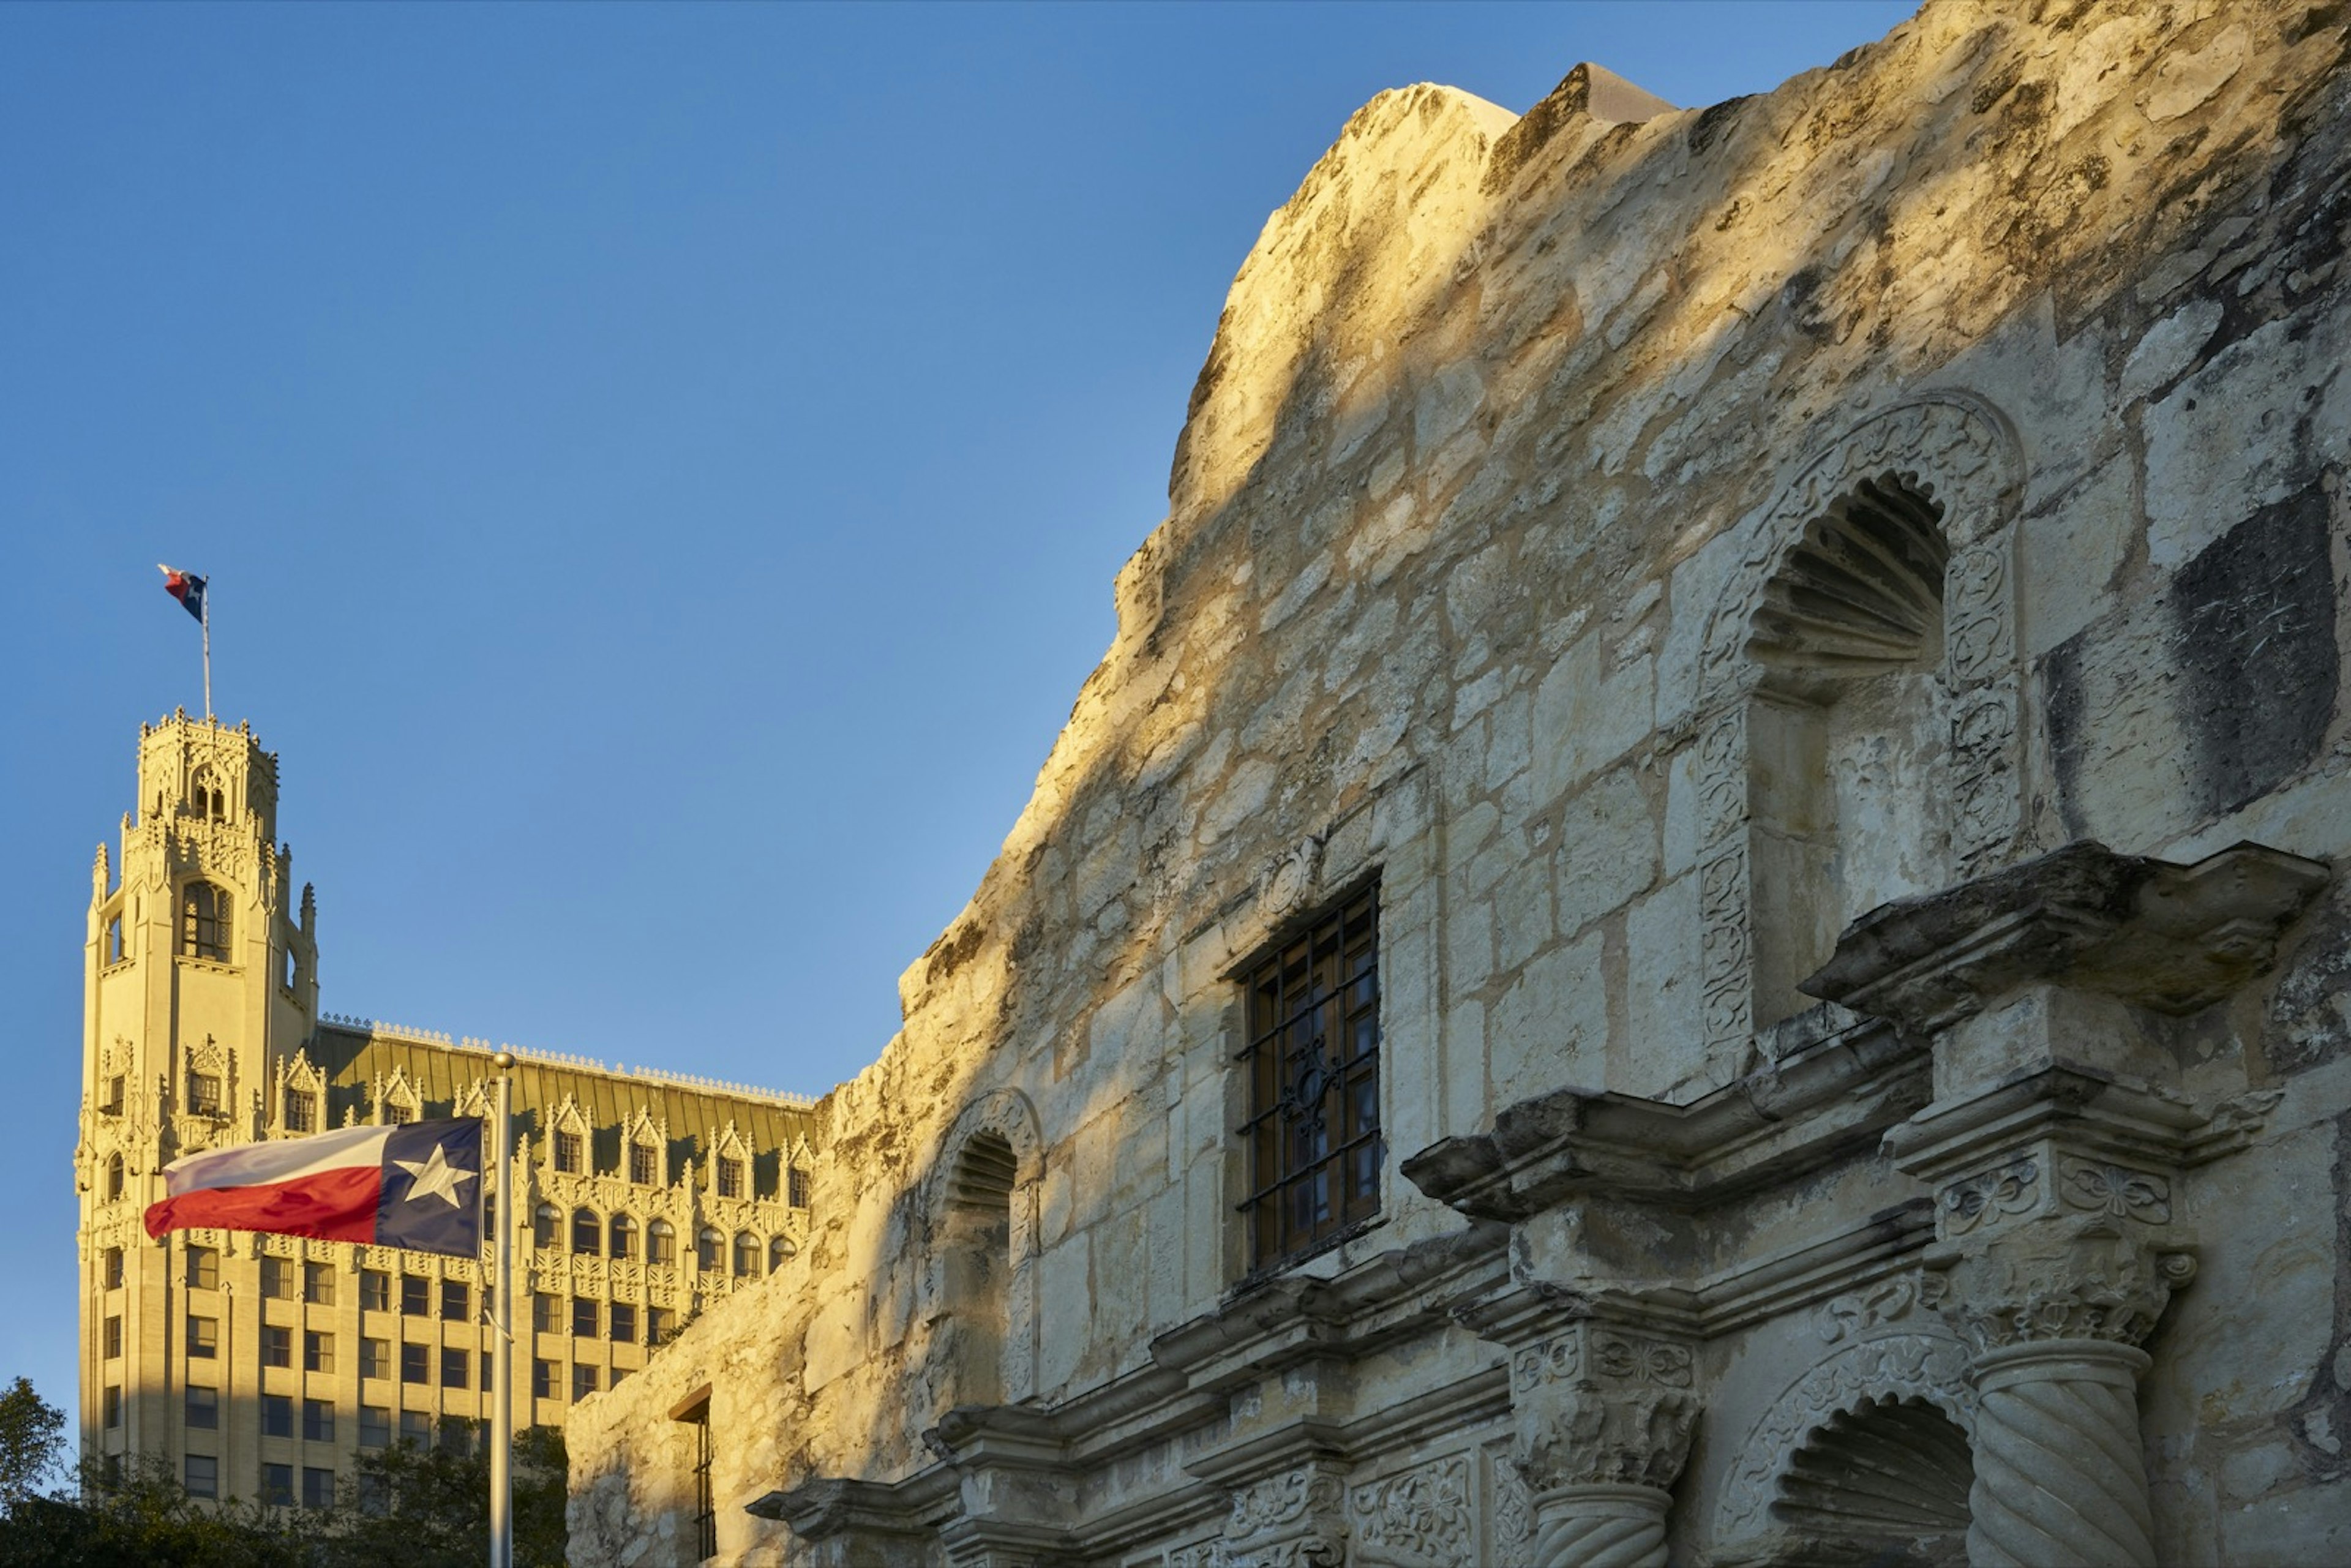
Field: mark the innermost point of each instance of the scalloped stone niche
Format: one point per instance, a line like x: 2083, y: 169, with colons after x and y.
x: 1886, y: 1484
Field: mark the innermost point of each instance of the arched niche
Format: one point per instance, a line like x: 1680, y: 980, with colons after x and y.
x: 1857, y: 738
x: 983, y: 1277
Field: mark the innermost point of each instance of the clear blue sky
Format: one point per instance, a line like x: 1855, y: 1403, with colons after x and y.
x: 661, y: 469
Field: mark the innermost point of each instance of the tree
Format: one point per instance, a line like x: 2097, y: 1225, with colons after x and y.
x: 430, y: 1508
x: 32, y: 1442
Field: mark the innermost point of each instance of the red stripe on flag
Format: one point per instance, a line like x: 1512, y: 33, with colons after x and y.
x: 331, y: 1205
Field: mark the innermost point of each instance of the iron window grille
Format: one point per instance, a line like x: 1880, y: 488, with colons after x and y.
x: 1313, y: 1062
x: 705, y: 1510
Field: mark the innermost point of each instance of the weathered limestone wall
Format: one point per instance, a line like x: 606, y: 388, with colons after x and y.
x: 1476, y: 576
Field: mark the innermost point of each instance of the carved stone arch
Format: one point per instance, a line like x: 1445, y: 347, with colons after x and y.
x: 298, y: 1075
x: 1906, y: 514
x: 397, y: 1090
x: 983, y: 1273
x: 1864, y: 1393
x: 474, y: 1100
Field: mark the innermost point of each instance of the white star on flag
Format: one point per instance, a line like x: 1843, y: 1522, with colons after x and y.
x: 433, y: 1177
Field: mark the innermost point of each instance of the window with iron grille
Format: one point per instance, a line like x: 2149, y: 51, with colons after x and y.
x: 1312, y: 1065
x: 706, y: 1510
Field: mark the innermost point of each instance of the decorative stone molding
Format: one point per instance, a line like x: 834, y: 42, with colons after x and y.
x: 1604, y: 1414
x: 1926, y: 1363
x: 1419, y: 1518
x: 1296, y: 1519
x: 2065, y: 1279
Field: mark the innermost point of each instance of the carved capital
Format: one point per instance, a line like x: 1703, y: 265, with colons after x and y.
x: 1599, y: 1406
x: 2065, y: 1279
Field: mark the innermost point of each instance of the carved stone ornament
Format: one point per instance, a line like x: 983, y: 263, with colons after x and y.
x: 1294, y: 1520
x: 2065, y: 1279
x: 2007, y: 1190
x: 1926, y: 1363
x: 1597, y: 1406
x: 1421, y: 1518
x: 1290, y: 884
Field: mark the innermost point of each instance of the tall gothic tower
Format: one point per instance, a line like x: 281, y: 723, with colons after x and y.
x: 199, y: 985
x: 262, y: 1366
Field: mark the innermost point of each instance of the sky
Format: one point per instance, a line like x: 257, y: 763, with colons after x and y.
x: 660, y: 469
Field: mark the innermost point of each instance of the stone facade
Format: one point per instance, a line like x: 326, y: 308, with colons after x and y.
x: 1822, y: 621
x: 257, y: 1366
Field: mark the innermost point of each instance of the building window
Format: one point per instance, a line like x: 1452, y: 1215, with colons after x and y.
x: 542, y: 1312
x: 567, y: 1153
x: 661, y: 1326
x: 113, y: 1269
x: 795, y: 1186
x: 114, y: 1337
x: 397, y: 1112
x: 203, y: 1338
x: 114, y: 1105
x: 201, y: 1473
x: 624, y: 1237
x: 114, y: 1178
x: 318, y: 1487
x: 112, y: 1403
x: 317, y: 1420
x: 375, y: 1290
x: 415, y: 1363
x: 661, y: 1243
x: 375, y: 1427
x: 276, y: 1415
x: 623, y: 1323
x: 542, y: 1227
x: 730, y: 1176
x: 204, y: 1408
x: 644, y: 1165
x: 318, y: 1284
x: 456, y: 1366
x: 706, y: 1249
x: 584, y: 1317
x: 456, y: 1302
x: 204, y: 922
x: 205, y: 1094
x: 278, y: 1279
x: 114, y: 940
x: 277, y: 1345
x: 416, y: 1427
x: 1312, y: 1136
x: 301, y: 1110
x: 587, y: 1232
x: 415, y: 1296
x: 542, y: 1379
x: 747, y: 1254
x: 318, y: 1351
x: 583, y: 1382
x: 375, y: 1358
x: 706, y: 1510
x: 277, y: 1485
x: 203, y: 1269
x: 777, y: 1250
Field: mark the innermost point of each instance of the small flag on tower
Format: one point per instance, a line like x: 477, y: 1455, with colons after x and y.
x: 417, y: 1185
x: 184, y: 586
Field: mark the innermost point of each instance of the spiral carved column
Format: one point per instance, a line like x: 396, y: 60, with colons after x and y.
x: 2057, y: 1312
x: 1605, y: 1420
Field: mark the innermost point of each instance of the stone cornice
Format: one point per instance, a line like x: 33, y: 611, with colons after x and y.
x: 2170, y: 938
x: 1837, y: 1095
x: 2091, y: 1112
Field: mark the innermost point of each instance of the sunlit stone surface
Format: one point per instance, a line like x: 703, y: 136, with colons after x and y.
x: 1824, y: 617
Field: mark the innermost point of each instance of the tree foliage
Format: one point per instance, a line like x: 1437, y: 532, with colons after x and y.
x: 403, y: 1507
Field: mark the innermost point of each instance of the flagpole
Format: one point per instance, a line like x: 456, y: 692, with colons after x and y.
x: 502, y: 1334
x: 207, y: 619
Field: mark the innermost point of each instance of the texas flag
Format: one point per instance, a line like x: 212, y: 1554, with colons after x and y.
x: 417, y: 1185
x: 184, y: 586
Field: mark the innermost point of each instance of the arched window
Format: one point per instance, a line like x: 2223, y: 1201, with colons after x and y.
x: 587, y: 1232
x: 747, y: 1254
x: 624, y: 1237
x: 706, y: 1249
x: 204, y: 921
x: 661, y: 1243
x: 542, y: 1226
x: 777, y: 1250
x: 114, y: 1177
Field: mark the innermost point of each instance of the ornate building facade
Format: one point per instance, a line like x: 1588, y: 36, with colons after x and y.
x: 259, y: 1366
x: 1696, y: 915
